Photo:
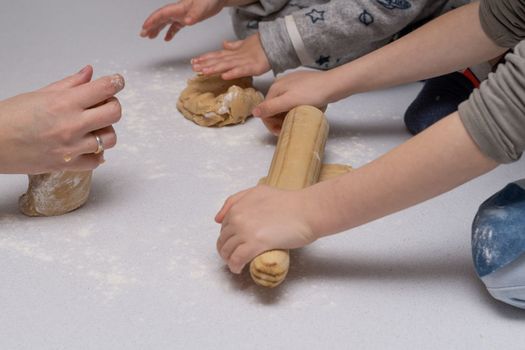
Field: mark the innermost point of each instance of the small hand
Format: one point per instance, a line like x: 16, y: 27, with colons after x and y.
x: 53, y: 128
x: 240, y: 58
x: 178, y: 15
x: 260, y: 219
x: 292, y: 90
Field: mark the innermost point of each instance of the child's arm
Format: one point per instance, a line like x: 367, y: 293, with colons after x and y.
x: 489, y: 129
x: 451, y: 42
x: 322, y: 36
x: 184, y: 13
x: 435, y: 161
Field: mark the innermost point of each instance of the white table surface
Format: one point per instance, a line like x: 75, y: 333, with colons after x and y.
x: 136, y: 268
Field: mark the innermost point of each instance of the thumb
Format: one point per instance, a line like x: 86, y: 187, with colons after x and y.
x: 272, y: 106
x: 228, y: 204
x: 77, y: 79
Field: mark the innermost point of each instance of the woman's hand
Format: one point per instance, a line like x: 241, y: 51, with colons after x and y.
x: 242, y: 58
x: 292, y: 90
x: 178, y: 15
x: 263, y: 218
x: 54, y: 128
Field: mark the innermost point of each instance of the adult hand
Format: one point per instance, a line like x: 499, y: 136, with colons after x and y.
x: 242, y: 58
x: 178, y: 15
x: 54, y: 128
x: 292, y: 90
x: 263, y: 218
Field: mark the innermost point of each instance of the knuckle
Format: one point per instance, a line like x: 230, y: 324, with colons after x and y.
x: 236, y: 218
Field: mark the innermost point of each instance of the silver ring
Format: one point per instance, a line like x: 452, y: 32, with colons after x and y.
x: 100, y: 144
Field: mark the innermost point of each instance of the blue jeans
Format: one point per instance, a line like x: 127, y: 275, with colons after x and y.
x: 498, y: 244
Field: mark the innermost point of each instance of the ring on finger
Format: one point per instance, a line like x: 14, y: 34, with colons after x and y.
x: 100, y: 144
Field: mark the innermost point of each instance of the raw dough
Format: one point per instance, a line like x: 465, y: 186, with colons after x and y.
x: 55, y: 193
x: 211, y: 101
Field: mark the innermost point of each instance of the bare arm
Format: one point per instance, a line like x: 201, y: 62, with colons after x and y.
x: 417, y: 170
x: 451, y: 42
x: 420, y: 169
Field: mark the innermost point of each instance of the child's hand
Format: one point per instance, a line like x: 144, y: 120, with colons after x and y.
x: 260, y: 219
x: 292, y: 90
x: 178, y: 15
x: 240, y: 58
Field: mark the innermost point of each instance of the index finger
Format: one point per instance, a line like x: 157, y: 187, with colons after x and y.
x: 92, y: 93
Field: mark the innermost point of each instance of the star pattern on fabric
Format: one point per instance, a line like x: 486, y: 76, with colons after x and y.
x: 315, y: 15
x: 323, y: 61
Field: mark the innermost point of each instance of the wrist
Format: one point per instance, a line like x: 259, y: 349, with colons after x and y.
x: 337, y: 85
x: 321, y: 210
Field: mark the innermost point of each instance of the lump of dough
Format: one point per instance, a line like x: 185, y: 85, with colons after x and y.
x: 212, y: 101
x: 55, y: 193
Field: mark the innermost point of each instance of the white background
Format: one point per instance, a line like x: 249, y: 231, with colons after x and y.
x: 136, y: 268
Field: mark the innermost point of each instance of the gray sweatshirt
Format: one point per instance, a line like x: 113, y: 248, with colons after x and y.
x: 494, y: 115
x: 327, y: 33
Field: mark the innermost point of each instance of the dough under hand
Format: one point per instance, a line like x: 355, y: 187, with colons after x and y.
x: 212, y: 101
x: 55, y: 193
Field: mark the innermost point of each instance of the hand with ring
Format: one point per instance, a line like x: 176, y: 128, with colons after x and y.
x: 64, y: 126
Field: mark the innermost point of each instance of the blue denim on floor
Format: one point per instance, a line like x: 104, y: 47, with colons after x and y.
x: 498, y: 244
x: 439, y: 97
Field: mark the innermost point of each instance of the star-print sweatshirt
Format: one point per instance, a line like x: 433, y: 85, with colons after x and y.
x: 494, y: 115
x: 327, y: 33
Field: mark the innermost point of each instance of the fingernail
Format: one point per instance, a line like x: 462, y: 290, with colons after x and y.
x: 188, y: 20
x: 83, y: 70
x: 256, y: 112
x: 143, y: 33
x: 117, y: 81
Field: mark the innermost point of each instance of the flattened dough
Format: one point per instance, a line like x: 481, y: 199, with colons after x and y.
x: 55, y: 193
x: 211, y: 101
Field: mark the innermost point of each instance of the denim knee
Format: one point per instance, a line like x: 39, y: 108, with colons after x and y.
x: 498, y: 244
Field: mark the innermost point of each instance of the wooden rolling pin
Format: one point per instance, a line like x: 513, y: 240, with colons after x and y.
x: 296, y: 164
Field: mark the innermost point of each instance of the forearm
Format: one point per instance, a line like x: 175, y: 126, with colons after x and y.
x: 451, y: 42
x: 417, y: 170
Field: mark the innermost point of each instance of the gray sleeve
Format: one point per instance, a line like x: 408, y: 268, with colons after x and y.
x: 503, y: 21
x: 263, y: 8
x: 332, y: 33
x: 494, y: 115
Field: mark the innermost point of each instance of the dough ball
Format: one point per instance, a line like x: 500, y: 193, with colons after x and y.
x: 55, y: 193
x: 212, y: 101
